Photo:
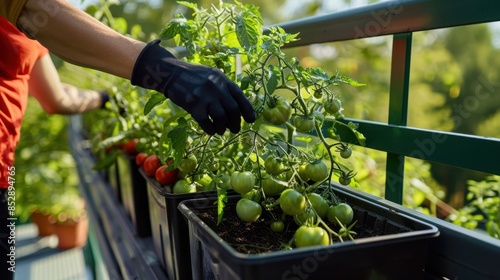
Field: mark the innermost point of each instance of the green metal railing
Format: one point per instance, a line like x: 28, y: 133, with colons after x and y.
x: 400, y: 19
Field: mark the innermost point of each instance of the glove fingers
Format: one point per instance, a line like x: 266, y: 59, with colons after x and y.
x: 219, y: 117
x: 200, y: 115
x: 233, y: 119
x: 245, y: 107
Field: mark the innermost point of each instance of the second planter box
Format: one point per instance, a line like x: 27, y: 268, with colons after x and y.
x: 169, y: 228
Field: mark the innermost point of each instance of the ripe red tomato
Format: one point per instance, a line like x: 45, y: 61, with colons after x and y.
x: 151, y: 163
x: 130, y: 146
x: 140, y: 158
x: 166, y: 177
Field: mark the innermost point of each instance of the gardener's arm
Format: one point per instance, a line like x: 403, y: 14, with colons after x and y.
x: 211, y: 98
x: 78, y: 38
x: 56, y: 97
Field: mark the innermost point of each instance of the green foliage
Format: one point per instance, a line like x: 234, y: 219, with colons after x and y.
x: 483, y: 207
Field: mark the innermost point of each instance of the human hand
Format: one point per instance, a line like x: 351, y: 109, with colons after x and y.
x: 211, y: 98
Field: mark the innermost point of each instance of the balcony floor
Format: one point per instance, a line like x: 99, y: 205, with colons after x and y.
x: 38, y: 258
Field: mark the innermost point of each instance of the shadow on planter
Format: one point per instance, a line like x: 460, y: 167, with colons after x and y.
x: 169, y: 228
x: 134, y: 194
x: 399, y: 252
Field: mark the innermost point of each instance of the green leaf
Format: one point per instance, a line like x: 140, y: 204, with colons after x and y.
x: 221, y: 203
x: 190, y: 5
x: 107, y: 160
x: 179, y: 139
x: 155, y: 100
x: 347, y: 80
x: 176, y: 26
x: 272, y: 81
x: 248, y: 28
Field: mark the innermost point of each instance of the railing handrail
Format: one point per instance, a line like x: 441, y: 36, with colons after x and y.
x: 389, y: 18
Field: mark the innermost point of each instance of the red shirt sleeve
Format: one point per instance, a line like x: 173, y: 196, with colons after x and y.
x: 17, y: 58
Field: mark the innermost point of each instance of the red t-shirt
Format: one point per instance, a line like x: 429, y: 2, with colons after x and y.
x: 18, y: 54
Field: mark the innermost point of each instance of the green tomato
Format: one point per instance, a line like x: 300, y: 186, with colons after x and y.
x: 248, y: 210
x: 273, y: 166
x: 342, y: 211
x: 242, y: 181
x: 277, y: 226
x: 277, y: 111
x: 302, y: 172
x: 292, y: 202
x: 346, y: 153
x: 319, y: 204
x: 332, y: 106
x: 344, y: 180
x: 183, y: 186
x: 303, y: 123
x: 317, y: 171
x: 271, y: 187
x: 188, y: 165
x: 205, y: 182
x: 311, y: 236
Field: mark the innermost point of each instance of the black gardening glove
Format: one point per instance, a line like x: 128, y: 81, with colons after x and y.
x: 213, y: 100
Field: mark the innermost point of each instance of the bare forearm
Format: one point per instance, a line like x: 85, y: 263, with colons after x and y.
x: 56, y: 97
x: 77, y: 100
x: 78, y: 38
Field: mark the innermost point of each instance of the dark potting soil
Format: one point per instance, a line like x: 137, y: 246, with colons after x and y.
x: 258, y: 238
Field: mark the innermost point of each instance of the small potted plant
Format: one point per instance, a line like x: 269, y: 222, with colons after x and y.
x: 70, y: 223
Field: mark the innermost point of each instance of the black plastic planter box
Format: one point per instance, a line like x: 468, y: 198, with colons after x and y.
x: 169, y: 228
x: 134, y: 194
x: 114, y: 180
x: 397, y: 254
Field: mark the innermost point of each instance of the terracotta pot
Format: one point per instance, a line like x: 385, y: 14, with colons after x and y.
x: 43, y: 223
x: 72, y: 234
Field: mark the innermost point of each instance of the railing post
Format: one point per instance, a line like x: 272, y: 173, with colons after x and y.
x: 398, y: 112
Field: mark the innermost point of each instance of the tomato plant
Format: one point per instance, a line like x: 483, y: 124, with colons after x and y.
x: 248, y: 210
x: 311, y: 236
x: 151, y: 164
x: 267, y: 163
